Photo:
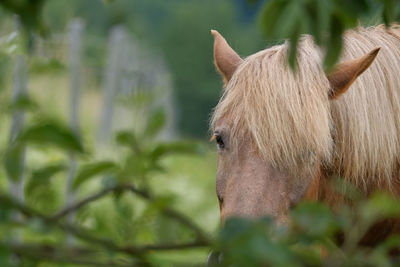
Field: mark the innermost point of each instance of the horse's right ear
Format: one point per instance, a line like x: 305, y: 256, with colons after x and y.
x: 344, y: 74
x: 225, y: 58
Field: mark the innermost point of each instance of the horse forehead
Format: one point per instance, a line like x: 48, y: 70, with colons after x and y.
x: 226, y: 125
x: 223, y: 122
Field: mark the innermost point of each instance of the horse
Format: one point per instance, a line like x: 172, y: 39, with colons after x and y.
x: 283, y: 133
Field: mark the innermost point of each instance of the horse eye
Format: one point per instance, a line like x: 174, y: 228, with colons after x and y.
x: 220, y: 142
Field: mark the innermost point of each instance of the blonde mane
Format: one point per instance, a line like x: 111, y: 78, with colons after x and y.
x: 289, y: 118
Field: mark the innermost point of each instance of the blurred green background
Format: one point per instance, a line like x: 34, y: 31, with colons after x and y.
x: 178, y: 31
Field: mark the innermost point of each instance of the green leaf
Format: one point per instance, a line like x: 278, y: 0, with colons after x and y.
x: 320, y: 12
x: 14, y: 161
x: 234, y: 227
x: 294, y: 39
x: 389, y: 11
x: 128, y: 138
x: 334, y: 44
x: 314, y: 219
x: 310, y: 255
x: 137, y: 166
x: 176, y: 148
x: 52, y: 134
x: 161, y: 202
x: 291, y: 16
x: 23, y: 103
x: 245, y: 242
x: 346, y: 189
x: 392, y: 242
x: 378, y: 207
x: 91, y: 170
x: 41, y: 177
x: 269, y: 16
x: 155, y: 123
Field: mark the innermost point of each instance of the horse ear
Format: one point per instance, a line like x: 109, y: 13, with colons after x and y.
x: 226, y: 59
x: 344, y: 74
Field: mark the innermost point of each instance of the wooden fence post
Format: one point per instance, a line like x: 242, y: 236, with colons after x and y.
x: 166, y: 100
x: 17, y: 123
x: 19, y: 91
x: 76, y: 28
x: 111, y: 83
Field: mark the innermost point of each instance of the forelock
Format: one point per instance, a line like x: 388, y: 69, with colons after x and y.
x: 284, y: 113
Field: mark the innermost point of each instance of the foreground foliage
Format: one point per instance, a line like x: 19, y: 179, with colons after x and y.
x: 313, y: 232
x: 325, y: 20
x: 41, y: 216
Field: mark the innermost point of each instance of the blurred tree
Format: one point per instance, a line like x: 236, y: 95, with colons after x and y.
x: 28, y: 10
x: 249, y: 9
x: 180, y: 29
x: 187, y: 45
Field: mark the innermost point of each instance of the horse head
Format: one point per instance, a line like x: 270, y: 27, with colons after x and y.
x: 273, y: 128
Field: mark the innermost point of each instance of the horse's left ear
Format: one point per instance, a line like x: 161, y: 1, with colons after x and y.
x: 225, y: 58
x: 344, y: 74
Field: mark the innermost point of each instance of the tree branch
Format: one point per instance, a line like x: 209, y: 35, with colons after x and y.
x: 183, y: 219
x: 106, y: 243
x: 58, y: 254
x: 200, y: 234
x: 166, y: 247
x: 75, y: 206
x: 80, y: 255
